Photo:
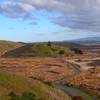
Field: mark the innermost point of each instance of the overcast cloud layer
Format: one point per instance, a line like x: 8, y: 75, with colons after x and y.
x: 76, y: 14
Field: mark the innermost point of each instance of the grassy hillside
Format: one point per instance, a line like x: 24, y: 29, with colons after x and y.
x: 8, y: 45
x: 39, y: 50
x: 14, y: 87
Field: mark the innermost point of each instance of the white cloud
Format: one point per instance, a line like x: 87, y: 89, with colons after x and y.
x: 77, y: 14
x: 16, y: 9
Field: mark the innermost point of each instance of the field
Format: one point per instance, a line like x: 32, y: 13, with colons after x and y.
x: 45, y: 69
x: 88, y: 81
x: 89, y: 77
x: 57, y: 69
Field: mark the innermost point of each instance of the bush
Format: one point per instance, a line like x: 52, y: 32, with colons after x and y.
x: 77, y: 51
x: 61, y: 52
x: 50, y: 84
x: 24, y: 96
x: 77, y: 98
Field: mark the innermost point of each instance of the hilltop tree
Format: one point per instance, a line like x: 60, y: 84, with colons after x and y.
x: 49, y: 43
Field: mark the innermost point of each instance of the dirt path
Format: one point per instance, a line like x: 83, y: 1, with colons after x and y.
x: 83, y: 64
x: 76, y: 71
x: 71, y: 90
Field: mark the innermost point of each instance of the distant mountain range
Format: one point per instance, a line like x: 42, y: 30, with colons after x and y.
x: 89, y: 40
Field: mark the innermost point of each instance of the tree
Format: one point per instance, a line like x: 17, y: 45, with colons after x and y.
x: 61, y: 52
x: 49, y: 43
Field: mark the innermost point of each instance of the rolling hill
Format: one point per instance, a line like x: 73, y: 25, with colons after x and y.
x: 88, y: 40
x: 8, y: 45
x: 13, y: 87
x: 69, y: 44
x: 39, y: 50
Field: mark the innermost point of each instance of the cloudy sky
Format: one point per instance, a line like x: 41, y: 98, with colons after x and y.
x: 49, y: 20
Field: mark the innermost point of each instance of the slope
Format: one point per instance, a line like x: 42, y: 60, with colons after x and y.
x: 14, y: 87
x: 39, y: 50
x: 8, y: 45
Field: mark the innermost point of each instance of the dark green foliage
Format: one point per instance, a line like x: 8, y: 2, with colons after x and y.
x: 24, y: 96
x: 28, y: 96
x: 50, y: 84
x: 61, y: 52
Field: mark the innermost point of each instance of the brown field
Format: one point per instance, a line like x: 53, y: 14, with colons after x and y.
x: 47, y: 69
x: 89, y: 78
x: 55, y: 69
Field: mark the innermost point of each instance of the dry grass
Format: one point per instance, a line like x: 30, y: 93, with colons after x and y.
x: 47, y: 69
x: 88, y: 80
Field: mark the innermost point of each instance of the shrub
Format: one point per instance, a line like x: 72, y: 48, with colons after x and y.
x: 50, y: 84
x: 24, y: 96
x: 61, y: 52
x: 77, y: 98
x: 77, y: 51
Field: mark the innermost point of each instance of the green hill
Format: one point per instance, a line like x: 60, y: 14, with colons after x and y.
x: 8, y: 45
x: 14, y: 87
x: 39, y: 50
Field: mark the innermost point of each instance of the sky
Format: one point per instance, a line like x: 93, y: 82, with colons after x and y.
x: 49, y: 20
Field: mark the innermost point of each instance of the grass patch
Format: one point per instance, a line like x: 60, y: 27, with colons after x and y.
x: 20, y: 85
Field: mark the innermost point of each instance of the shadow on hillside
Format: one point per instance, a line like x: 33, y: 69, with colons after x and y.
x: 17, y: 52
